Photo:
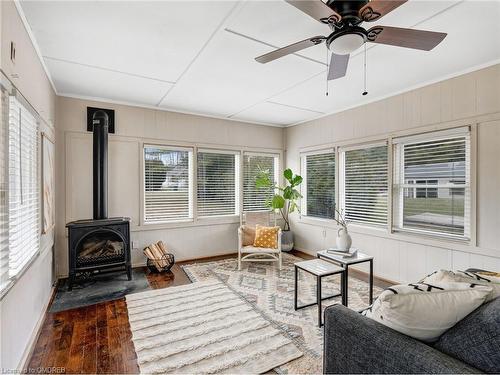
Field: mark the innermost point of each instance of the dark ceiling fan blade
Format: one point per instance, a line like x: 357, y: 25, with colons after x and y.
x: 316, y: 9
x: 378, y: 8
x: 338, y: 66
x: 409, y: 38
x: 292, y: 48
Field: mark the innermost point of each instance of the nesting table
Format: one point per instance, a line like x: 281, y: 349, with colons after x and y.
x: 320, y: 269
x: 345, y: 262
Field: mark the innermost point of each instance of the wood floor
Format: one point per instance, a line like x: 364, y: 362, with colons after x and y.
x: 97, y: 338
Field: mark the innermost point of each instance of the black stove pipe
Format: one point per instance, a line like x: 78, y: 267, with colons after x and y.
x: 100, y: 122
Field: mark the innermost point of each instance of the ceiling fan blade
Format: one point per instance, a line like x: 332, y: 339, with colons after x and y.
x: 338, y: 66
x: 292, y: 48
x: 316, y: 9
x: 409, y: 38
x: 378, y: 8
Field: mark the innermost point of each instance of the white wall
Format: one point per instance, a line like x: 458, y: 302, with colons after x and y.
x: 470, y: 99
x: 134, y: 127
x: 22, y: 308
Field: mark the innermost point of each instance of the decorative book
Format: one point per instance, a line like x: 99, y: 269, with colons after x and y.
x: 351, y: 253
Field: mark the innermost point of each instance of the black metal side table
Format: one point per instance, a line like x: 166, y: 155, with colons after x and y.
x: 345, y: 262
x: 320, y: 269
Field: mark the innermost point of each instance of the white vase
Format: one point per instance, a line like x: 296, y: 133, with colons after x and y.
x: 343, y: 240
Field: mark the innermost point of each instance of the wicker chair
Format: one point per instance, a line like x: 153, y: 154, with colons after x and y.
x: 257, y: 254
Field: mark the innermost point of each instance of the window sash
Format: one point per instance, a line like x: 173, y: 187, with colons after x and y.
x: 255, y: 199
x: 432, y: 184
x: 364, y: 184
x: 217, y: 183
x: 168, y: 188
x: 23, y: 187
x: 318, y: 188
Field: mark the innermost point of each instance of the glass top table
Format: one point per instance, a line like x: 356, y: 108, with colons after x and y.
x: 345, y: 262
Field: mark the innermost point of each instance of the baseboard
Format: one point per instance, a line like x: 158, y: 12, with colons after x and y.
x: 208, y: 258
x: 143, y: 263
x: 23, y: 363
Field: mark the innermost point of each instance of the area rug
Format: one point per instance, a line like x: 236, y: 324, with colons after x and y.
x: 271, y: 291
x: 204, y: 328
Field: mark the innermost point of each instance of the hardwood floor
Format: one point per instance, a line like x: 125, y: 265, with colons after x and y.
x: 97, y: 338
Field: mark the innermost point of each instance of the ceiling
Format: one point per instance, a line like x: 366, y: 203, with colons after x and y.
x: 198, y: 56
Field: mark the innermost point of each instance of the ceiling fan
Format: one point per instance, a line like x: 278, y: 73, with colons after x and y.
x: 344, y: 18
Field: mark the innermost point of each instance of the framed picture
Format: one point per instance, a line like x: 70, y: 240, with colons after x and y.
x: 48, y: 193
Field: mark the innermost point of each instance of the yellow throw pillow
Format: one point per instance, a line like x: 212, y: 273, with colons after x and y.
x: 248, y: 233
x: 266, y: 237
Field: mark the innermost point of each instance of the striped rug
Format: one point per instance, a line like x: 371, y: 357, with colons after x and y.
x: 203, y: 327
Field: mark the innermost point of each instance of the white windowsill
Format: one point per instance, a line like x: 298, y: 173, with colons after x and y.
x: 188, y: 223
x: 405, y: 236
x: 8, y: 285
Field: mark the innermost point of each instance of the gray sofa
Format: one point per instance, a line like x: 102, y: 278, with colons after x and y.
x: 355, y: 344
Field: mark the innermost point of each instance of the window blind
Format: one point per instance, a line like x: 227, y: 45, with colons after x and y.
x: 364, y: 185
x: 319, y: 189
x: 433, y: 177
x: 24, y: 187
x: 167, y: 184
x: 4, y: 186
x: 217, y: 183
x: 255, y: 199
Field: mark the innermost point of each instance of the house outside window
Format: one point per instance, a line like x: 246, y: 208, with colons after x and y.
x: 168, y: 184
x: 432, y: 183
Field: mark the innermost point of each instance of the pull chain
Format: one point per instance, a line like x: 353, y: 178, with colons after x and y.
x: 365, y: 92
x: 327, y: 69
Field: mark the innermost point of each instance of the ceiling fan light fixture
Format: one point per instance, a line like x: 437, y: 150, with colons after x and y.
x: 345, y: 44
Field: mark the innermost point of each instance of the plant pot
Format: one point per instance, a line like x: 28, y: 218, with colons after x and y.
x: 286, y: 240
x: 343, y: 240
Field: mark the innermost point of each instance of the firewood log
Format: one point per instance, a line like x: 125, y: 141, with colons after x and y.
x: 158, y: 254
x: 149, y: 253
x: 93, y: 247
x: 162, y: 247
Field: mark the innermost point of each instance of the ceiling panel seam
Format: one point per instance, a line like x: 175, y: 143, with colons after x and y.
x: 271, y: 45
x: 402, y: 91
x: 324, y: 72
x: 276, y: 94
x: 214, y: 33
x: 108, y: 69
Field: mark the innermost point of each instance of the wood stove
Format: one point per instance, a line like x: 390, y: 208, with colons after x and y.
x: 99, y: 245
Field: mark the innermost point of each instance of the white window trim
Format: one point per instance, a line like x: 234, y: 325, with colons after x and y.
x: 303, y: 186
x: 467, y: 131
x: 277, y: 171
x: 237, y: 180
x: 197, y: 220
x: 191, y: 165
x: 7, y: 89
x: 341, y: 158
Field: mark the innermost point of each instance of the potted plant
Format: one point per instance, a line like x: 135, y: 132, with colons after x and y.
x: 343, y: 239
x: 284, y: 200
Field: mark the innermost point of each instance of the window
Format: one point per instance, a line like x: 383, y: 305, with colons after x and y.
x: 255, y: 199
x: 217, y: 183
x: 364, y: 184
x: 318, y: 171
x: 168, y: 184
x: 432, y: 177
x: 4, y: 189
x: 24, y: 187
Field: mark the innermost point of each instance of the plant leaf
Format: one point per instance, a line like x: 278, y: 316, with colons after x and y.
x: 278, y: 202
x: 297, y: 180
x: 288, y: 174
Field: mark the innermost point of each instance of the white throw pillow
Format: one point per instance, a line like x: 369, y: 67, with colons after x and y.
x: 444, y: 276
x: 426, y: 311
